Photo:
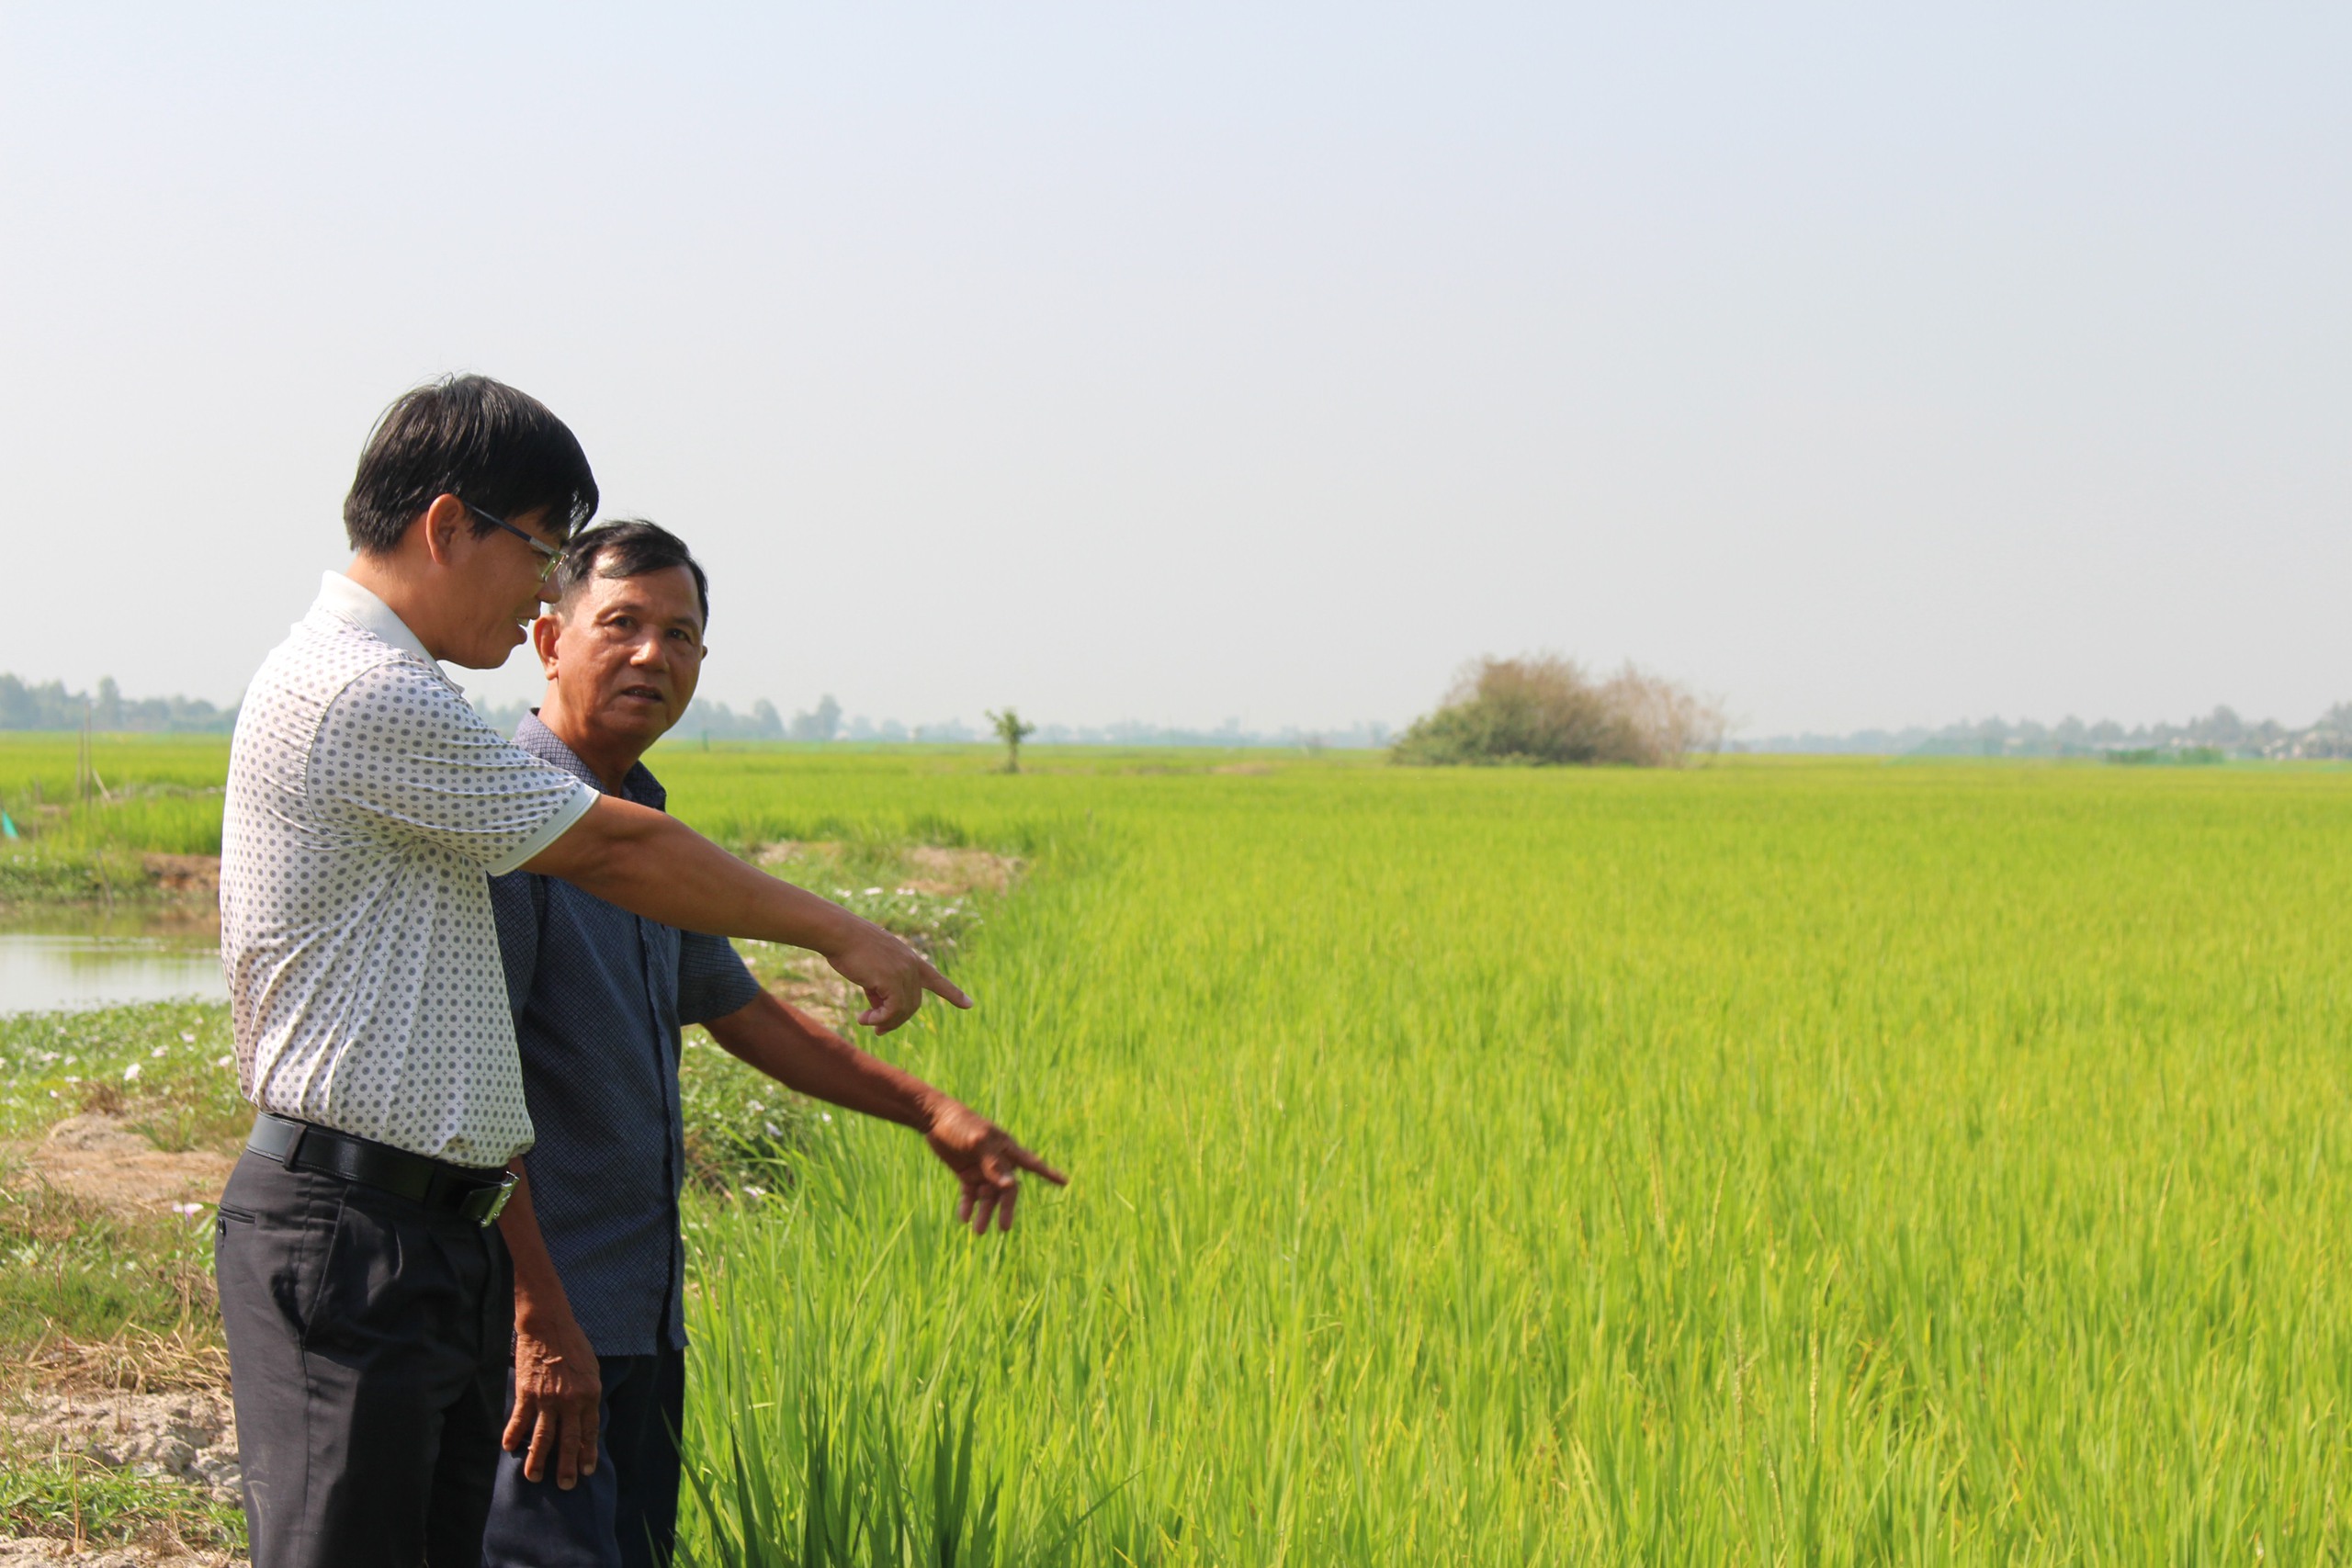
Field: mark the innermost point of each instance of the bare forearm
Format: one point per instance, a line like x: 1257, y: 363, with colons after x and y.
x: 539, y: 1290
x: 792, y: 1048
x: 558, y: 1381
x: 796, y: 1050
x: 654, y: 865
x: 639, y: 859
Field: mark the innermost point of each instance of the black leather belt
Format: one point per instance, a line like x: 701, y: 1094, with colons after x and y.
x: 476, y: 1194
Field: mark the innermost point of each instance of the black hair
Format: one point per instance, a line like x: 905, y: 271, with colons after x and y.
x: 628, y: 547
x: 478, y: 440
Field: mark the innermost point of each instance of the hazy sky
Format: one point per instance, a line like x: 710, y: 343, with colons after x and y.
x: 1263, y: 361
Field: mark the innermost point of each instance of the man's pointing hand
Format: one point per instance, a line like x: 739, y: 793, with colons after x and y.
x: 987, y: 1162
x: 893, y: 975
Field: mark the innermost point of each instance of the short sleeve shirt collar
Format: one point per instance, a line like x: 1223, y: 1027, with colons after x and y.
x: 338, y: 595
x: 536, y: 738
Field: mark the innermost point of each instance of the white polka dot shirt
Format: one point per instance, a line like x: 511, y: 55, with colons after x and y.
x: 367, y: 808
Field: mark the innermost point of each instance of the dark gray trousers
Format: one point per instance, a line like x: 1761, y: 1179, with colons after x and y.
x: 368, y: 1344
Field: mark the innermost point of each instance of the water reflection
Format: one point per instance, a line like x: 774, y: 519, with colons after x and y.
x: 71, y: 960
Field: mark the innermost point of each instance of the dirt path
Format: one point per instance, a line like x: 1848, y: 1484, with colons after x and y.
x: 26, y: 1550
x: 98, y: 1158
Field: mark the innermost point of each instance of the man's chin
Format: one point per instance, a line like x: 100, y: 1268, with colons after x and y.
x: 493, y: 651
x: 641, y: 722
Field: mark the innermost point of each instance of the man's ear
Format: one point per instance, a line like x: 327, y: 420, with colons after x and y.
x: 445, y: 522
x: 544, y: 632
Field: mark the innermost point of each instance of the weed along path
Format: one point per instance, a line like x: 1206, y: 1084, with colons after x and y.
x: 1832, y: 1162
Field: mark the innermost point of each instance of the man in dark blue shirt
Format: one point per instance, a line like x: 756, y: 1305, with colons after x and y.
x: 599, y: 997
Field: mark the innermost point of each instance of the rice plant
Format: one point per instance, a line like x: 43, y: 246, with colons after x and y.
x: 1834, y: 1163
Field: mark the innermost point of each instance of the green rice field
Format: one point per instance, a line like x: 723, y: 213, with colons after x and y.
x: 1766, y: 1162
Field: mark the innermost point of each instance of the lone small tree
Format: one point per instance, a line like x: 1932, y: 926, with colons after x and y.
x: 1012, y: 732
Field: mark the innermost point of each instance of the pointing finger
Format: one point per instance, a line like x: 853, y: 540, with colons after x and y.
x: 1037, y: 1167
x: 939, y: 984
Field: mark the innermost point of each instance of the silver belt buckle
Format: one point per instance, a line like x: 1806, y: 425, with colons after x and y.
x: 485, y: 1205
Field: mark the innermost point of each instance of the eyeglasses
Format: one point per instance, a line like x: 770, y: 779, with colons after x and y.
x: 554, y: 556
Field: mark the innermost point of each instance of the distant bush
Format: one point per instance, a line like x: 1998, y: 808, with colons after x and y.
x: 1546, y: 710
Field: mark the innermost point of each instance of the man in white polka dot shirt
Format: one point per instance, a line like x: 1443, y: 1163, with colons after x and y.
x: 366, y: 1295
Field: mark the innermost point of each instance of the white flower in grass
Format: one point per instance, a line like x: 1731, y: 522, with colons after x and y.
x: 874, y: 893
x: 131, y: 1072
x: 187, y: 1037
x: 158, y: 1051
x: 224, y: 1061
x: 776, y: 1131
x: 188, y: 1208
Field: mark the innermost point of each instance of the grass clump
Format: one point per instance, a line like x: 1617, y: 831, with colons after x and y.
x: 67, y: 1496
x: 79, y: 1277
x: 1546, y: 710
x: 169, y: 1066
x: 745, y: 1133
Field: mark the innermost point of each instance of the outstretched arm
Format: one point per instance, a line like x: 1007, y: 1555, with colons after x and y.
x: 652, y: 864
x: 796, y: 1050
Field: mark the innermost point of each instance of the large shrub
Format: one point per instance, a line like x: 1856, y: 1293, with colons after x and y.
x: 1545, y: 709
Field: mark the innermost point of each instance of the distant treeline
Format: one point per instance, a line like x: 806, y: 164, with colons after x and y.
x: 710, y: 721
x: 716, y: 721
x: 2222, y: 732
x: 51, y: 707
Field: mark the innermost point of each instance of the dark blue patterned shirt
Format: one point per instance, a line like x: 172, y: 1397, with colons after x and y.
x: 599, y: 995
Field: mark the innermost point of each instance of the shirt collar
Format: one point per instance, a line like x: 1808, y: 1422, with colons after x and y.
x: 338, y: 595
x: 536, y: 738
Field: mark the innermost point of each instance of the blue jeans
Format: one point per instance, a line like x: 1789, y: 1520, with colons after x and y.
x: 624, y: 1516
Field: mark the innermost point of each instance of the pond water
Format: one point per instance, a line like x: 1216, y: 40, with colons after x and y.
x: 63, y: 963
